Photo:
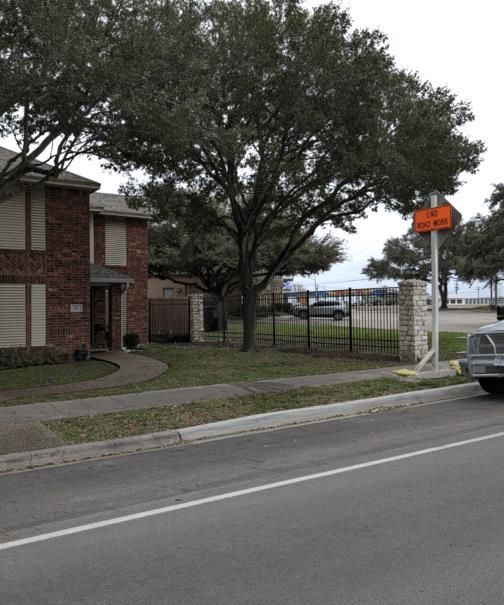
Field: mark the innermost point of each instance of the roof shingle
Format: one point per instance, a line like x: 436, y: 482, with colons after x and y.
x: 65, y: 178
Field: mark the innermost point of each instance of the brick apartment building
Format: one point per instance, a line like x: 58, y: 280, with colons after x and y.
x: 73, y: 266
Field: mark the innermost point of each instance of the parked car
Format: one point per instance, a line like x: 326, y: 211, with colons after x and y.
x: 323, y: 308
x: 485, y: 357
x: 390, y: 298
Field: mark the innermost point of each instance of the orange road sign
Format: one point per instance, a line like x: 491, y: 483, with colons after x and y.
x: 433, y: 219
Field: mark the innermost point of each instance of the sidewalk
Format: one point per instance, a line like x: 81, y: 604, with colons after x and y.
x: 56, y: 410
x: 131, y: 369
x: 22, y: 429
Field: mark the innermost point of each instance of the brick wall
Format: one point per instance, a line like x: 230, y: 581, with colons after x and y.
x: 63, y: 267
x: 138, y: 269
x: 99, y: 240
x: 67, y: 259
x: 22, y: 267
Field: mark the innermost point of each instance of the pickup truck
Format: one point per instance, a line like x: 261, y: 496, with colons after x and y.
x: 485, y: 357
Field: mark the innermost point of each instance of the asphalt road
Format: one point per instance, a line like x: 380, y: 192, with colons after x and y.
x: 388, y: 523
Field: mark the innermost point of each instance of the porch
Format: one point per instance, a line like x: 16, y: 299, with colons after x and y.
x: 109, y: 308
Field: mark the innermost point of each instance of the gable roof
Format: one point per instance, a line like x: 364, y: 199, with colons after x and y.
x: 114, y: 204
x: 64, y: 179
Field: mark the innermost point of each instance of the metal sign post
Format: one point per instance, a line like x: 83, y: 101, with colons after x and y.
x: 434, y: 287
x: 436, y: 220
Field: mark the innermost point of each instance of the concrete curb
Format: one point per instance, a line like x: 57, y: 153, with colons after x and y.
x: 324, y: 412
x: 83, y: 451
x: 224, y: 428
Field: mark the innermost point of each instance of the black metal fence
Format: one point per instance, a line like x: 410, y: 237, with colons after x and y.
x: 364, y: 320
x: 342, y: 320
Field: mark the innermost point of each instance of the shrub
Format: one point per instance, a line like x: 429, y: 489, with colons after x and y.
x: 21, y: 358
x: 131, y: 340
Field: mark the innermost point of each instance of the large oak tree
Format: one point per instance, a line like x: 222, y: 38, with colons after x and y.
x: 286, y: 116
x: 61, y: 62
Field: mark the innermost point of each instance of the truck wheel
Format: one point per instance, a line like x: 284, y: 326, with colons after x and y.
x: 303, y: 315
x: 495, y: 386
x: 338, y: 315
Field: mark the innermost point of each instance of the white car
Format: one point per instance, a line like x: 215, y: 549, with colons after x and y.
x: 323, y: 308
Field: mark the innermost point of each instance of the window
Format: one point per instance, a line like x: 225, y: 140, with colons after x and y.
x: 167, y: 292
x: 38, y: 219
x: 13, y: 222
x: 12, y: 315
x: 115, y: 242
x: 38, y: 315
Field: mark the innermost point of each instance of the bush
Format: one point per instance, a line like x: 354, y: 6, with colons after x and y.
x: 21, y: 358
x: 131, y: 340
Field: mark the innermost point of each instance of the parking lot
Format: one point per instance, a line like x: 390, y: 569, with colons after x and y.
x: 450, y: 320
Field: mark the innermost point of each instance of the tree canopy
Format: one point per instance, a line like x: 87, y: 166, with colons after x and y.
x: 184, y: 243
x: 280, y: 119
x: 409, y: 257
x: 61, y: 63
x: 483, y: 243
x: 177, y: 254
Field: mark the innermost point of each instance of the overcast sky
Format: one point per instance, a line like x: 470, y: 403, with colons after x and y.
x: 457, y: 43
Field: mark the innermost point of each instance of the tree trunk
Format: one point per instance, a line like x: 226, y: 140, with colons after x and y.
x: 249, y: 319
x: 443, y: 291
x: 220, y: 306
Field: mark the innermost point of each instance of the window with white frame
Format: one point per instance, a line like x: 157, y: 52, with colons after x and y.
x: 12, y: 316
x: 115, y: 242
x: 13, y: 222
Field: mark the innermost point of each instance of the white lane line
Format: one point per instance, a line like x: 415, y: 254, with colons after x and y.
x: 242, y: 492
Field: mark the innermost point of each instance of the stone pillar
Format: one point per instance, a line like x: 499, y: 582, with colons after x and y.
x: 413, y: 344
x: 197, y: 327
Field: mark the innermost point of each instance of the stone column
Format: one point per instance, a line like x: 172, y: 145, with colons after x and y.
x: 413, y: 344
x: 197, y: 327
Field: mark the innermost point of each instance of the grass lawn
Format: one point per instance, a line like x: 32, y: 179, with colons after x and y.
x: 124, y: 424
x: 451, y: 344
x: 41, y: 376
x: 323, y: 332
x: 190, y: 365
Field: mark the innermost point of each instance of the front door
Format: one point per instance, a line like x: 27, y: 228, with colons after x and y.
x: 100, y: 318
